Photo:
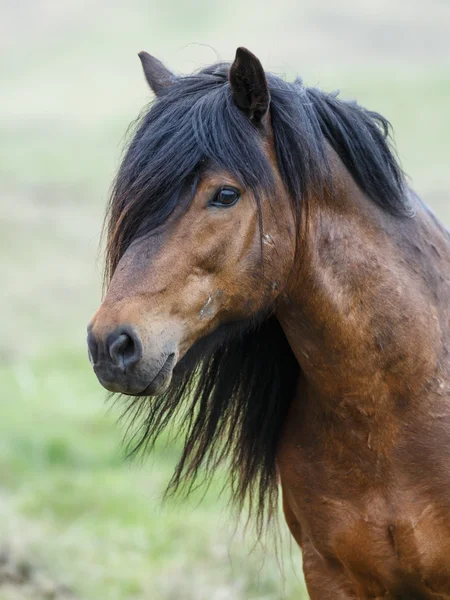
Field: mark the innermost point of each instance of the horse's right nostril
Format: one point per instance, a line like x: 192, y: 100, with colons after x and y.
x: 92, y: 347
x: 125, y: 348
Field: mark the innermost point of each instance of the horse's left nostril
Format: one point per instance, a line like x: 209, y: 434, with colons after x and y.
x: 125, y: 348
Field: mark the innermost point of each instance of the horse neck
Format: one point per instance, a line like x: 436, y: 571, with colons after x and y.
x: 364, y: 311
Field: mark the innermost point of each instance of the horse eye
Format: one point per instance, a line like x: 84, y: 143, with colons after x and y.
x: 225, y: 197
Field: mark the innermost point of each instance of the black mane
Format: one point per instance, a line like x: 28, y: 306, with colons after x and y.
x: 238, y: 384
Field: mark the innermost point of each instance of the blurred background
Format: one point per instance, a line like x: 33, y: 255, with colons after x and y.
x: 76, y: 519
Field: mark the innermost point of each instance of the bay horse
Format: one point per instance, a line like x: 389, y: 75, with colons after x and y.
x: 273, y: 281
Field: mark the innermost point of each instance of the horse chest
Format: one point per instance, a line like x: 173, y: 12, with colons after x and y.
x: 379, y: 542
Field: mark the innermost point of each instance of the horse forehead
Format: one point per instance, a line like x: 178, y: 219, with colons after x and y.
x: 214, y: 176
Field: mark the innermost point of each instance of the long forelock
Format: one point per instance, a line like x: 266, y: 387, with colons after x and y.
x: 193, y: 126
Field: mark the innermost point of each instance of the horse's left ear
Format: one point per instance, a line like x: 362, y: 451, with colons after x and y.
x: 158, y: 77
x: 249, y: 85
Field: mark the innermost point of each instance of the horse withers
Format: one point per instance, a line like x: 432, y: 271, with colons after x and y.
x: 268, y: 266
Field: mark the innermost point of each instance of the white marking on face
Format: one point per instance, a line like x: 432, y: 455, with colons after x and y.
x: 205, y: 306
x: 267, y: 239
x: 212, y: 305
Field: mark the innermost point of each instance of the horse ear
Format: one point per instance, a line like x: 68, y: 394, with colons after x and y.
x: 249, y: 85
x: 158, y: 77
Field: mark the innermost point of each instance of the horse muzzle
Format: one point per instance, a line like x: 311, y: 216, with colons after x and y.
x: 124, y: 364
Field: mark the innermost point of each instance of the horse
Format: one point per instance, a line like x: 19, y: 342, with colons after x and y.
x: 274, y: 283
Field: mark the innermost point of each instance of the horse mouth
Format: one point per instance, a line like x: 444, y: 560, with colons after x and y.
x: 162, y: 379
x: 134, y: 384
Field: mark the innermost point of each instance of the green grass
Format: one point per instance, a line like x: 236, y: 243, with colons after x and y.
x: 95, y: 522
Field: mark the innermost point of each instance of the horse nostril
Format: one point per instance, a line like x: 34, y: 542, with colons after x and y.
x: 125, y: 349
x: 92, y: 347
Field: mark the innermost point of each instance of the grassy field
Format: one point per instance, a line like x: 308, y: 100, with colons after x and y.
x: 76, y: 516
x: 76, y: 519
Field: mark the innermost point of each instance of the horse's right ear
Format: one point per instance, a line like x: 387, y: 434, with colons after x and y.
x: 158, y: 77
x: 249, y: 85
